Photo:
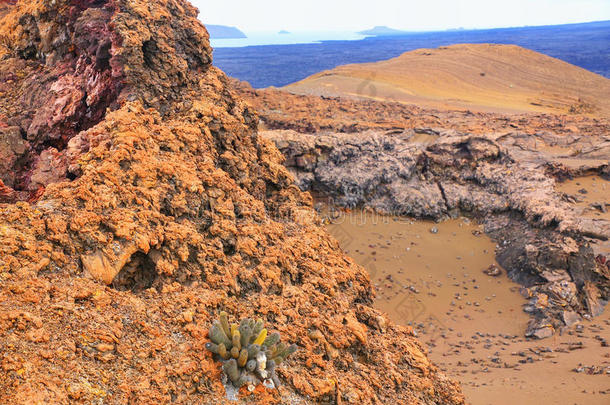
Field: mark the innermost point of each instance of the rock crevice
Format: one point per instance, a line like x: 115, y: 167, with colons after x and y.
x: 168, y: 208
x: 497, y: 179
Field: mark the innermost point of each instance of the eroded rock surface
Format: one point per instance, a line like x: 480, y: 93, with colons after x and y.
x: 313, y: 114
x: 503, y: 169
x: 66, y: 63
x: 506, y: 180
x: 154, y: 204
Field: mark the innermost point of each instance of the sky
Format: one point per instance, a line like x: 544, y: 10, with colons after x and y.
x: 411, y: 15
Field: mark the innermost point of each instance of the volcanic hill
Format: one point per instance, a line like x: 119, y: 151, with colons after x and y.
x: 138, y: 201
x: 481, y: 77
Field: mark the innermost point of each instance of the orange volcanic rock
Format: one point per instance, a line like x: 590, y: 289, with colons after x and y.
x: 484, y: 77
x: 279, y: 109
x: 154, y: 205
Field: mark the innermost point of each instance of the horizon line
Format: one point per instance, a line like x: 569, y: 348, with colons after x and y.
x: 406, y: 31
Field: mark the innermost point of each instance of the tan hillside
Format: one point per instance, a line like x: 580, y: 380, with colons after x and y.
x: 484, y: 77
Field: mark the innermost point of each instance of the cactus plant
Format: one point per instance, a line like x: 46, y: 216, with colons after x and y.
x: 249, y: 354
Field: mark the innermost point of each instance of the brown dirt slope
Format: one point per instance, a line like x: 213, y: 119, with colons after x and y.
x: 483, y: 77
x: 154, y: 204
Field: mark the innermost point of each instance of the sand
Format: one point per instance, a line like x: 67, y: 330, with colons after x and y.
x: 430, y: 276
x: 592, y: 195
x: 481, y: 77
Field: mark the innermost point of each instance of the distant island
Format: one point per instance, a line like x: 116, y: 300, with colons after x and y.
x: 284, y: 32
x: 224, y: 32
x: 382, y: 30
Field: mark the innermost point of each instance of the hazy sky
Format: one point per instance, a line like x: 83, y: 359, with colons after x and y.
x: 345, y: 15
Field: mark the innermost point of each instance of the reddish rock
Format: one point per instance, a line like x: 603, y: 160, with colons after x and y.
x: 160, y: 199
x: 13, y: 149
x: 50, y: 167
x: 592, y: 299
x: 571, y: 318
x: 313, y: 114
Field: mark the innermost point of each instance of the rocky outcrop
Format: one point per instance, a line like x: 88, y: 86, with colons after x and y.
x: 312, y: 114
x: 153, y: 205
x: 505, y: 180
x: 502, y: 169
x: 68, y: 66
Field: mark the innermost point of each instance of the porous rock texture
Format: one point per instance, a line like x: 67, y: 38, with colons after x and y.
x: 502, y: 169
x: 317, y: 114
x: 139, y: 201
x: 506, y: 180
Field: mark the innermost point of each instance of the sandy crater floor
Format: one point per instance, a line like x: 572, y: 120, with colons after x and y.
x: 430, y: 276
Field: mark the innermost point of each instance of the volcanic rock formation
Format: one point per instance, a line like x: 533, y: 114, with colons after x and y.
x: 484, y: 77
x: 139, y: 202
x: 315, y: 114
x: 503, y: 170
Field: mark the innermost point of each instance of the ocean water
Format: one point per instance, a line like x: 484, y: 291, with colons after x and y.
x: 277, y: 60
x: 292, y: 38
